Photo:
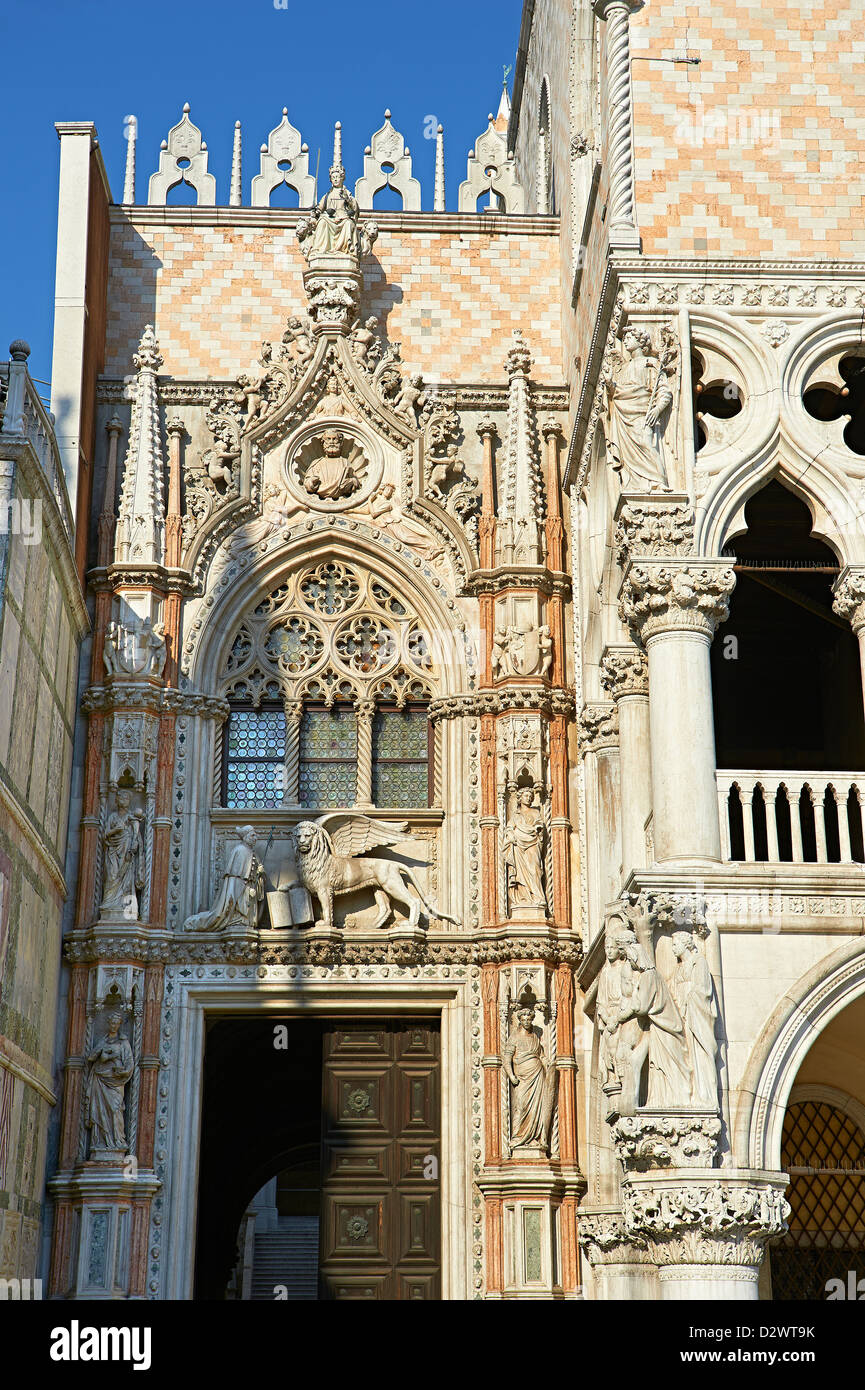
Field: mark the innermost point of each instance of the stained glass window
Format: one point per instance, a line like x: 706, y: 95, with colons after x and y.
x: 328, y: 756
x: 401, y: 747
x: 254, y: 758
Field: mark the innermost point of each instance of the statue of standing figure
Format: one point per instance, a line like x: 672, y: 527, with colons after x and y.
x: 123, y: 858
x: 694, y: 993
x: 639, y: 400
x: 534, y: 1082
x: 110, y: 1064
x: 522, y: 844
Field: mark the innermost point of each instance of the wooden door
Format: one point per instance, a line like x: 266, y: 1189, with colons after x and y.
x: 380, y: 1212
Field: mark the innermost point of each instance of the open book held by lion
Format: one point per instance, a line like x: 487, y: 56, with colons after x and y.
x: 327, y: 862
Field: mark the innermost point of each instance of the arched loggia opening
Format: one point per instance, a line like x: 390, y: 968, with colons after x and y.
x: 787, y: 695
x: 823, y: 1150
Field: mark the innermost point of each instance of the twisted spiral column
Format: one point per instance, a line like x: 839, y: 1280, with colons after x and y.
x: 365, y: 712
x: 620, y: 155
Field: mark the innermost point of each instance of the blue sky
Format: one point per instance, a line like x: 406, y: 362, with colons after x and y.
x: 102, y: 61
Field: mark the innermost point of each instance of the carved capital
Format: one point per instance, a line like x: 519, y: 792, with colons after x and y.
x: 849, y: 596
x: 653, y: 528
x: 486, y: 427
x: 670, y: 597
x: 606, y: 1240
x: 705, y: 1220
x: 598, y: 728
x: 624, y: 671
x: 654, y: 1140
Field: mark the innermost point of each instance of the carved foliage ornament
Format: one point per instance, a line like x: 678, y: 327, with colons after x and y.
x: 666, y: 598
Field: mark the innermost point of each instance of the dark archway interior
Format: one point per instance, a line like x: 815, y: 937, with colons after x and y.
x: 261, y: 1116
x: 787, y: 689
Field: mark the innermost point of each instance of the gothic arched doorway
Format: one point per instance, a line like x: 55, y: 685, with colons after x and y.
x: 326, y: 1135
x: 823, y: 1150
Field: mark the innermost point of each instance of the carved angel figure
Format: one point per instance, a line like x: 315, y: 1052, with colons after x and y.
x: 386, y: 511
x: 639, y: 398
x: 326, y: 853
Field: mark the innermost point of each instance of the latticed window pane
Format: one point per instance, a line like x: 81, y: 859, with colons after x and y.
x: 254, y: 784
x: 256, y: 733
x: 823, y: 1150
x: 328, y: 784
x: 400, y: 752
x: 328, y: 757
x: 255, y: 758
x: 400, y: 784
x: 328, y: 733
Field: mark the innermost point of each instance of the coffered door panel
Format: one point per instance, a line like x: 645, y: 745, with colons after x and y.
x: 381, y: 1123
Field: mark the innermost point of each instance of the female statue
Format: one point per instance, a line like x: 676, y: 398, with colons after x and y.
x: 535, y: 1083
x: 109, y: 1067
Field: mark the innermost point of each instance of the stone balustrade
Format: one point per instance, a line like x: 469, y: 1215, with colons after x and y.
x: 791, y: 817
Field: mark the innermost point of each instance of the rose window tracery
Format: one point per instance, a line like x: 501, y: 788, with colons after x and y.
x: 328, y: 681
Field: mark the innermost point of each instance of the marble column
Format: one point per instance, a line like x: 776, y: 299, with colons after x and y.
x: 625, y: 677
x: 675, y: 606
x: 849, y: 603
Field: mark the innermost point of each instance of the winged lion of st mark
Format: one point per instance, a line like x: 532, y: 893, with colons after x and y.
x: 328, y: 863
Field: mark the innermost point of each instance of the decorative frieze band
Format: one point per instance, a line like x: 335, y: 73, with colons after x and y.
x: 270, y: 948
x: 547, y: 702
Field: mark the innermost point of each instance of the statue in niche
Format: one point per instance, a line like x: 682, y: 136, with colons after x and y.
x: 661, y: 1037
x: 385, y: 510
x: 334, y: 227
x: 110, y: 1065
x: 123, y: 858
x: 239, y: 899
x: 332, y: 475
x: 522, y: 845
x: 534, y: 1082
x: 639, y: 398
x: 694, y: 994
